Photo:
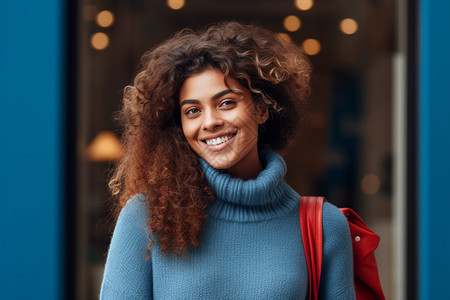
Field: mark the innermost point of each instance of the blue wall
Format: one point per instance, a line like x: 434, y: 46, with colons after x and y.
x: 434, y: 124
x: 31, y: 151
x: 31, y: 169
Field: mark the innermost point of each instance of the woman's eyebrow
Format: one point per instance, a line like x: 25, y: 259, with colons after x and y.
x: 220, y: 94
x: 189, y: 101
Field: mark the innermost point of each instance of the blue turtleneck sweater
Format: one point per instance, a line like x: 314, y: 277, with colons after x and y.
x: 251, y: 247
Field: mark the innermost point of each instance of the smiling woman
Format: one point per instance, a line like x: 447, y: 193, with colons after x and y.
x: 205, y: 212
x: 222, y: 125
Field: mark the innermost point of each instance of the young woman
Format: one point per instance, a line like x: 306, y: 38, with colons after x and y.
x: 205, y: 211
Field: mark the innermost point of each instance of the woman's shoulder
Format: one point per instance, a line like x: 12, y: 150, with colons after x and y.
x: 136, y: 208
x: 337, y: 256
x: 131, y: 222
x: 138, y: 201
x: 334, y: 221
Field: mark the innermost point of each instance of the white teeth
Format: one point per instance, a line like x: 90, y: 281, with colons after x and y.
x: 217, y: 141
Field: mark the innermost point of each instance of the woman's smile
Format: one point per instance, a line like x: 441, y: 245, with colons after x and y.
x: 221, y: 122
x: 220, y: 142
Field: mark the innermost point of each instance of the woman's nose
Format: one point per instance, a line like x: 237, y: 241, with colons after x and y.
x: 212, y: 120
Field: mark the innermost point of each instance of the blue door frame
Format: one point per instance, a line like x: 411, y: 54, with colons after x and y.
x: 32, y: 148
x: 434, y: 149
x: 31, y: 151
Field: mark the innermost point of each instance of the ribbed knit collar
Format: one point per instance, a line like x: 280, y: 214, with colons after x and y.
x: 266, y: 197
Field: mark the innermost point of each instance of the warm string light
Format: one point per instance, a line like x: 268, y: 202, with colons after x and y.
x: 304, y: 4
x: 176, y: 4
x: 292, y: 23
x: 105, y: 18
x: 99, y: 41
x: 311, y: 46
x: 348, y: 26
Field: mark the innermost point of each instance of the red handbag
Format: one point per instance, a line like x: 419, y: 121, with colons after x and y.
x: 364, y: 242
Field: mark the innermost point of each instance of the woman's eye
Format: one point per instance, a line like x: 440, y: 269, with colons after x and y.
x: 192, y: 111
x: 227, y: 103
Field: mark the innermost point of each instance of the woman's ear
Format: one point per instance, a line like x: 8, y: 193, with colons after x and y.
x: 262, y: 112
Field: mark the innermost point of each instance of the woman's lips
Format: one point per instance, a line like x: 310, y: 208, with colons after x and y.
x: 219, y: 143
x: 219, y: 140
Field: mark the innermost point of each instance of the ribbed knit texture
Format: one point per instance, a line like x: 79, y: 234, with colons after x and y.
x: 251, y: 247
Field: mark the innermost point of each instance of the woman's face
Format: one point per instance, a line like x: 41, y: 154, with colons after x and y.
x: 220, y: 123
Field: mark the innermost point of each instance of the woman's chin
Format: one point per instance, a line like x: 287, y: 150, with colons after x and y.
x: 219, y: 162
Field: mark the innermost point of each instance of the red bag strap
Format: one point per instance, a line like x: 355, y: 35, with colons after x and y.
x: 311, y: 227
x: 365, y: 241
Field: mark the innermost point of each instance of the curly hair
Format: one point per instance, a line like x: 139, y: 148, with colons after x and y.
x: 158, y: 161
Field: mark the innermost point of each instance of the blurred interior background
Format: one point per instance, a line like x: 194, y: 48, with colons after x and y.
x: 344, y: 152
x: 375, y: 136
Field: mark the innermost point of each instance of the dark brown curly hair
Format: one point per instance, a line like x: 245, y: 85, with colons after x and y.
x: 158, y: 161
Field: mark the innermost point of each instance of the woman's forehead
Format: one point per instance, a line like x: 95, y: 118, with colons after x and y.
x: 208, y: 84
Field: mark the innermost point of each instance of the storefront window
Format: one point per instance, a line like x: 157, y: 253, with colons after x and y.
x: 344, y: 151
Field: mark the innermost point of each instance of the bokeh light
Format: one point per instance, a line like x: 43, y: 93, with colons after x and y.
x: 370, y: 184
x: 348, y: 26
x: 176, y: 4
x: 311, y: 46
x: 292, y: 23
x: 304, y: 4
x: 105, y: 18
x: 99, y: 41
x: 105, y: 147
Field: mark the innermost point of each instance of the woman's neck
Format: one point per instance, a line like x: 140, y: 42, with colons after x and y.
x: 248, y: 168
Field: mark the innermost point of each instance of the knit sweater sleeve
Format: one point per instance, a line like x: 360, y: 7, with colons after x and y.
x: 128, y: 274
x: 336, y: 281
